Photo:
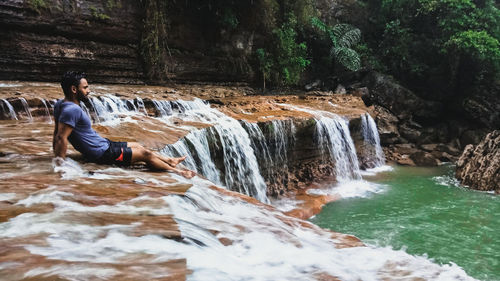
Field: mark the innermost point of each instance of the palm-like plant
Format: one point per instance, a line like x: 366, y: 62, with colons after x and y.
x: 343, y: 37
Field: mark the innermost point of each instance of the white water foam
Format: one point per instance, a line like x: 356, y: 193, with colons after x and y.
x: 351, y: 189
x: 264, y: 244
x: 376, y: 170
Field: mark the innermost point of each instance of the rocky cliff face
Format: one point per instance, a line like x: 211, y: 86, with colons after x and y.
x: 479, y: 166
x: 42, y: 39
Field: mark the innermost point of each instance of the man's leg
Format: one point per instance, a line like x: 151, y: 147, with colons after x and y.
x: 142, y: 154
x: 172, y: 161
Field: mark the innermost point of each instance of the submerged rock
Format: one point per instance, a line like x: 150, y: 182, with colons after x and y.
x: 479, y: 166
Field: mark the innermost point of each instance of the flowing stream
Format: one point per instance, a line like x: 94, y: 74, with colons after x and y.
x: 82, y: 221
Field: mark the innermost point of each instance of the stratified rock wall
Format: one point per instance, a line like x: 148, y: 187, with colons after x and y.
x: 41, y: 41
x: 479, y: 166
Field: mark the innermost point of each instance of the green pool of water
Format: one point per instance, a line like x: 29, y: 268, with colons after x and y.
x: 425, y: 212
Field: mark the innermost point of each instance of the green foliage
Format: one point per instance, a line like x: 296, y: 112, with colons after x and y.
x: 265, y: 64
x: 98, y: 15
x: 286, y: 59
x: 111, y: 4
x: 37, y: 5
x: 229, y: 19
x: 344, y: 38
x: 437, y: 46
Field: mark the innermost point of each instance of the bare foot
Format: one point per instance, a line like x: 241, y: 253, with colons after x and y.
x: 188, y: 174
x: 175, y: 161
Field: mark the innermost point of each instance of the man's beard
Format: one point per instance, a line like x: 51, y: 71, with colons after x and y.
x: 81, y: 97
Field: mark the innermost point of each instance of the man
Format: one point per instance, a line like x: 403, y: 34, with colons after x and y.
x: 73, y: 124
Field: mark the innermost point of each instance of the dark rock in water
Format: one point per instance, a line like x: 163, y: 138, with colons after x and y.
x: 479, y: 166
x: 422, y: 158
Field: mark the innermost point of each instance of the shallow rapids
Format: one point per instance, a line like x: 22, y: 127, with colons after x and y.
x: 82, y: 221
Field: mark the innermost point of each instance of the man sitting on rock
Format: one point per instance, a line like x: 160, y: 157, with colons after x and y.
x: 73, y: 124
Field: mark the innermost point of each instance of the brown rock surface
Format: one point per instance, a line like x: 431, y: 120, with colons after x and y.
x: 422, y: 158
x: 479, y: 166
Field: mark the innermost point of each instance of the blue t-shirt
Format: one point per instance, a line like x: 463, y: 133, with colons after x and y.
x: 83, y: 137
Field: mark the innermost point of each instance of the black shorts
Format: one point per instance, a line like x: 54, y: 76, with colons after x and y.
x: 118, y: 153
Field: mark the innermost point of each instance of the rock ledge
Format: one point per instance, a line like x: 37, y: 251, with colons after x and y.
x: 479, y: 166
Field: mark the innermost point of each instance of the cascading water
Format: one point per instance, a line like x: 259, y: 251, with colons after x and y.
x: 201, y: 159
x: 272, y: 151
x: 333, y: 136
x: 26, y: 108
x: 12, y: 113
x: 371, y: 138
x: 141, y: 105
x: 241, y: 170
x: 46, y: 109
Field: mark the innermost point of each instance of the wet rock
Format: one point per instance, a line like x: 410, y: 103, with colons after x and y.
x: 313, y: 85
x: 405, y: 161
x: 444, y: 157
x: 429, y: 147
x: 422, y: 158
x: 360, y: 92
x: 340, y: 90
x: 479, y: 165
x: 387, y: 125
x: 405, y: 148
x: 409, y: 132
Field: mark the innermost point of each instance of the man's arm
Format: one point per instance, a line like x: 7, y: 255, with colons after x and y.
x: 61, y: 139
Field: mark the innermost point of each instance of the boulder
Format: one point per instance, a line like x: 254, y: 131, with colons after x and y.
x: 403, y: 103
x: 479, y: 165
x: 387, y: 125
x: 422, y: 158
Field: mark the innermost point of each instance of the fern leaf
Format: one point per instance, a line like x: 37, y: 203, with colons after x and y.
x: 350, y: 38
x: 347, y: 57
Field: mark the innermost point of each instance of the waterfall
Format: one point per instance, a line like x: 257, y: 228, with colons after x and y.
x: 371, y: 138
x: 26, y: 108
x: 333, y: 136
x: 201, y: 160
x: 271, y: 147
x: 12, y: 113
x: 46, y: 109
x: 241, y: 170
x: 163, y: 107
x: 141, y: 105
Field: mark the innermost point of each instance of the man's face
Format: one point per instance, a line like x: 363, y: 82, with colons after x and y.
x: 83, y: 90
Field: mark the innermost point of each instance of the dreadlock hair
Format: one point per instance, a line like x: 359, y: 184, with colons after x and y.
x: 71, y: 78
